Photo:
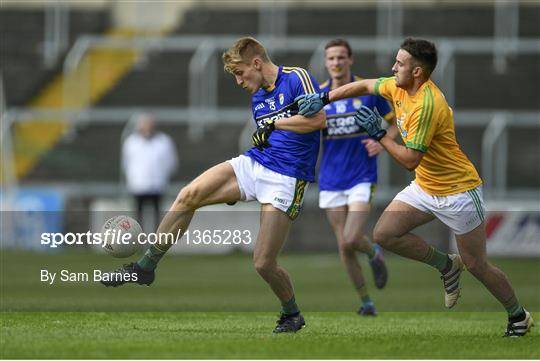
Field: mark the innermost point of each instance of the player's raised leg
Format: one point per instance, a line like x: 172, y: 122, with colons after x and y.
x: 472, y: 248
x: 216, y: 185
x: 392, y: 232
x: 275, y: 225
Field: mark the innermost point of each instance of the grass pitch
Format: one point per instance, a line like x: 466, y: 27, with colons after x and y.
x: 237, y: 335
x: 217, y: 307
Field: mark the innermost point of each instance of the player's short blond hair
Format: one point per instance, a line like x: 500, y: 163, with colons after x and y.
x: 242, y: 52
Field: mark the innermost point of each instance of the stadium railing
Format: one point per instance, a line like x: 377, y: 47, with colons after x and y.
x: 204, y: 48
x: 202, y: 89
x: 494, y: 140
x: 273, y: 19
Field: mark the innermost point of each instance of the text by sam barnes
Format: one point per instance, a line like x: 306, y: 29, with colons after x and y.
x: 93, y: 276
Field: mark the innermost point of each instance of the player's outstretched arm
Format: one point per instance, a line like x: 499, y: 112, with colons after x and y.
x: 353, y: 89
x: 296, y: 123
x: 301, y: 124
x: 311, y: 104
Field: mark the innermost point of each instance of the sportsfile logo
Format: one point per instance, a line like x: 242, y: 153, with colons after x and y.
x: 117, y: 237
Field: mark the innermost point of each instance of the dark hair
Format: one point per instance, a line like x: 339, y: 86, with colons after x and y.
x: 339, y: 42
x: 423, y: 51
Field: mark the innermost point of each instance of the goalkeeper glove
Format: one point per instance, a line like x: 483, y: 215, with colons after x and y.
x: 370, y: 120
x: 261, y: 135
x: 311, y: 104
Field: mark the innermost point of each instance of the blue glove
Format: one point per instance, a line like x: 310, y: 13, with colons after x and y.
x: 261, y: 135
x: 311, y: 104
x: 370, y: 120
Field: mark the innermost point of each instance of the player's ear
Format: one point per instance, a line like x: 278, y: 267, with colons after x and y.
x: 418, y: 72
x: 257, y: 63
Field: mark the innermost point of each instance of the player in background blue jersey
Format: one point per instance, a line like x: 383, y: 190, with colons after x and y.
x: 275, y: 172
x: 348, y: 172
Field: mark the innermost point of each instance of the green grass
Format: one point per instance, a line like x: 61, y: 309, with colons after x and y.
x: 218, y: 307
x: 247, y: 335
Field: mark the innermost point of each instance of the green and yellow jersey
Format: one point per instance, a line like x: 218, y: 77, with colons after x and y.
x: 426, y: 123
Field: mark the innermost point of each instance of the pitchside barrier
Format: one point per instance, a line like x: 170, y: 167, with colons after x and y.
x: 513, y: 229
x: 31, y: 212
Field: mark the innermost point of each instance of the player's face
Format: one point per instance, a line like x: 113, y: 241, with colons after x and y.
x: 248, y: 77
x: 337, y: 62
x: 403, y: 69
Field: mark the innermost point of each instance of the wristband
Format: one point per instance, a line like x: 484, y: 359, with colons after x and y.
x: 271, y: 125
x: 325, y: 97
x: 380, y: 134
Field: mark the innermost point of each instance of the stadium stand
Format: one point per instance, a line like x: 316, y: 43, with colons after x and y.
x: 22, y: 63
x: 167, y: 71
x: 160, y: 79
x: 202, y: 20
x: 495, y: 90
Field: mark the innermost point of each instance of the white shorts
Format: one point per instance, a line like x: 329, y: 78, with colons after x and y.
x: 362, y: 192
x: 259, y: 183
x: 462, y: 212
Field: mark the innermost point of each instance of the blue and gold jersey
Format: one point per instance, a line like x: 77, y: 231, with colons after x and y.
x: 292, y: 154
x: 345, y: 161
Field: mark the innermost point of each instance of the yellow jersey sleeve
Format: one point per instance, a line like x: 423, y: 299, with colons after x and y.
x: 421, y: 126
x: 386, y: 87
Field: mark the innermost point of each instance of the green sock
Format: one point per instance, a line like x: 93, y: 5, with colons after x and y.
x: 513, y: 307
x: 289, y: 307
x: 436, y: 259
x: 371, y: 252
x: 151, y: 257
x: 362, y: 292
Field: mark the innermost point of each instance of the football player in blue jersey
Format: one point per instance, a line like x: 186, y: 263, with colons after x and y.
x: 275, y: 172
x: 348, y: 172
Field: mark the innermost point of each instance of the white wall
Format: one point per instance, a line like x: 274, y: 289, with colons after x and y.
x: 154, y: 15
x: 143, y: 15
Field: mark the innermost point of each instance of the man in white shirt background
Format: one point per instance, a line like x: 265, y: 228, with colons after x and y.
x: 148, y: 161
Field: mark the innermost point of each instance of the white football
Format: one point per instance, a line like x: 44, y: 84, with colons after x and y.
x: 120, y: 236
